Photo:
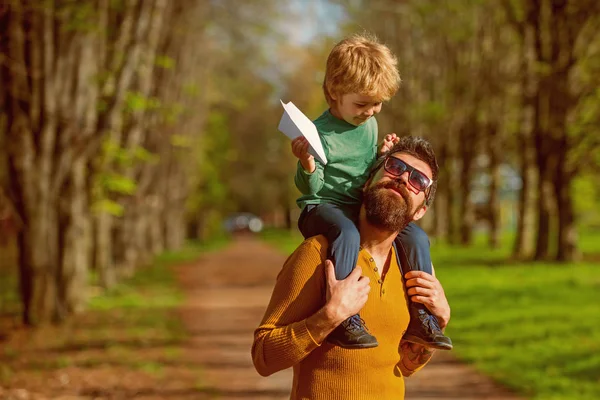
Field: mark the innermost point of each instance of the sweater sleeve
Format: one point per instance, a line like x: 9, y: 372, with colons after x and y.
x: 283, y: 339
x: 309, y: 183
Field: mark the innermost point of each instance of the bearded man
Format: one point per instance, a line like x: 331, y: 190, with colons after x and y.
x: 308, y: 303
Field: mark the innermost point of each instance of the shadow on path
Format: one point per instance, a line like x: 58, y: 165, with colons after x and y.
x: 226, y: 295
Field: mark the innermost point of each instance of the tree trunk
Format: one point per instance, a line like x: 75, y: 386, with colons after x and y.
x: 75, y: 245
x: 103, y: 250
x: 567, y: 230
x: 494, y: 146
x: 468, y: 141
x: 442, y: 211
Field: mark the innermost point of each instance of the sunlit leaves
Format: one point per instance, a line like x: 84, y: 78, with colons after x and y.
x: 164, y: 62
x: 135, y: 102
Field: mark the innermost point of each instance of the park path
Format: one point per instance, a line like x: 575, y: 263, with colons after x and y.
x: 226, y: 295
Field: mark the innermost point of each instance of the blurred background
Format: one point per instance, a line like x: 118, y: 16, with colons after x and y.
x: 132, y: 128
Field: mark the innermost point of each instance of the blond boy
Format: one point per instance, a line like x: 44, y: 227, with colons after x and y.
x: 360, y: 75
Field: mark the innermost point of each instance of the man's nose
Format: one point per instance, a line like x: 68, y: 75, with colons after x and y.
x: 404, y: 177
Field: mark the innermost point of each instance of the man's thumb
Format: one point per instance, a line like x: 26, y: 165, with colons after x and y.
x: 329, y: 271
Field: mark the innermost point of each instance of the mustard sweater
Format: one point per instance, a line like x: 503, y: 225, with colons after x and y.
x: 321, y: 370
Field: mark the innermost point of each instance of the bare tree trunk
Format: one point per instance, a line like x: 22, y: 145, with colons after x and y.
x: 494, y: 146
x: 30, y: 176
x: 567, y: 230
x: 523, y: 245
x: 175, y: 209
x: 103, y: 251
x: 150, y: 29
x: 443, y: 209
x: 468, y: 141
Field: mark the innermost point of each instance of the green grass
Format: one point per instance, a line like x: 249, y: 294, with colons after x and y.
x: 134, y: 325
x: 534, y: 327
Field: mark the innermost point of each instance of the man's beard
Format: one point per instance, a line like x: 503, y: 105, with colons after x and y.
x: 386, y: 210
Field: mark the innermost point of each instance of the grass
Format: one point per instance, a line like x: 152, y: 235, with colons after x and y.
x: 132, y: 326
x: 535, y: 327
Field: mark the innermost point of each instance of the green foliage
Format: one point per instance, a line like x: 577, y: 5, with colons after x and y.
x: 135, y: 102
x: 108, y: 206
x: 432, y: 112
x: 172, y: 113
x: 110, y: 184
x: 76, y: 16
x: 124, y: 157
x: 164, y: 62
x: 214, y: 153
x: 118, y: 184
x: 181, y: 141
x: 586, y: 199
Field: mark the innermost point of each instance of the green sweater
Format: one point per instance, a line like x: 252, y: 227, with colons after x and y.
x: 350, y: 151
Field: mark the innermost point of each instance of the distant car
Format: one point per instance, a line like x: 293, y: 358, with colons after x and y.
x: 243, y: 222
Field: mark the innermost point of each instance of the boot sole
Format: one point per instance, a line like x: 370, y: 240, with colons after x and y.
x: 433, y: 345
x: 354, y: 346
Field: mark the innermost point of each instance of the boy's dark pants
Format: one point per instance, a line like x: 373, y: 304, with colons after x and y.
x: 339, y: 227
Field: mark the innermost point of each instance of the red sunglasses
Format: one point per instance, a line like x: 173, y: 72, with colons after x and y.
x: 416, y: 178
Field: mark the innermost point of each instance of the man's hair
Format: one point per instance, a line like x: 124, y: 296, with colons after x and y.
x: 419, y: 148
x: 360, y: 64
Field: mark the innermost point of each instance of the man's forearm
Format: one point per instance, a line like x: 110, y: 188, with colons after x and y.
x: 414, y: 357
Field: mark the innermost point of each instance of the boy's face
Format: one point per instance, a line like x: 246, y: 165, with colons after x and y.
x: 355, y: 108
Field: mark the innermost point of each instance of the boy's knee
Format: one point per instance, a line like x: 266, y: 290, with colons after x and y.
x: 414, y: 236
x: 349, y: 233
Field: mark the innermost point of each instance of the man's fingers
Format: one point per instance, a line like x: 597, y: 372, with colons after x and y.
x: 415, y: 290
x: 419, y: 282
x: 418, y: 274
x: 356, y: 273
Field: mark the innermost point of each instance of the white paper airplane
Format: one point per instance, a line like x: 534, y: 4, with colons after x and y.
x: 294, y: 123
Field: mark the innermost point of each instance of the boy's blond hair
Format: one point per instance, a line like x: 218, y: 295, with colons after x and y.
x: 360, y: 64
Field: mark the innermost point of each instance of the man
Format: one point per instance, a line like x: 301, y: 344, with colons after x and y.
x: 296, y: 323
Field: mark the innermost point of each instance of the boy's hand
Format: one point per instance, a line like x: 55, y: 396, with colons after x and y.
x: 387, y: 143
x: 300, y: 148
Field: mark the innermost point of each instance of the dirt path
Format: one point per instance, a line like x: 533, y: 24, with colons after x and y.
x: 227, y: 293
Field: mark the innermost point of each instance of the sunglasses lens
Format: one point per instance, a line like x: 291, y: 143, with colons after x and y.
x: 419, y: 180
x: 395, y: 166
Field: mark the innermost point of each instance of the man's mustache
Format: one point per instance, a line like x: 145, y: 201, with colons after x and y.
x: 397, y: 186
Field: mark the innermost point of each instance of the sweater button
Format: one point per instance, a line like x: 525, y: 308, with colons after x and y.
x: 379, y: 281
x: 375, y: 269
x: 371, y: 259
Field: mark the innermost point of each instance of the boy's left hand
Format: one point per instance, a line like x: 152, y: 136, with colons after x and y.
x: 387, y: 143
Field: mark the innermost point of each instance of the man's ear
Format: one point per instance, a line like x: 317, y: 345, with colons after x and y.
x: 367, y: 183
x: 420, y: 212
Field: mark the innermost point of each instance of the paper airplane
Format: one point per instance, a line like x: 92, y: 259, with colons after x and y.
x: 294, y: 123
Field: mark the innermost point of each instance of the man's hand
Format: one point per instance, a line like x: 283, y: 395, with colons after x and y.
x: 426, y: 289
x: 387, y: 143
x: 300, y: 148
x: 345, y: 297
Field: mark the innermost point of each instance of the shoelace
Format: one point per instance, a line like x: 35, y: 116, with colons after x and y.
x: 431, y: 323
x: 355, y: 323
